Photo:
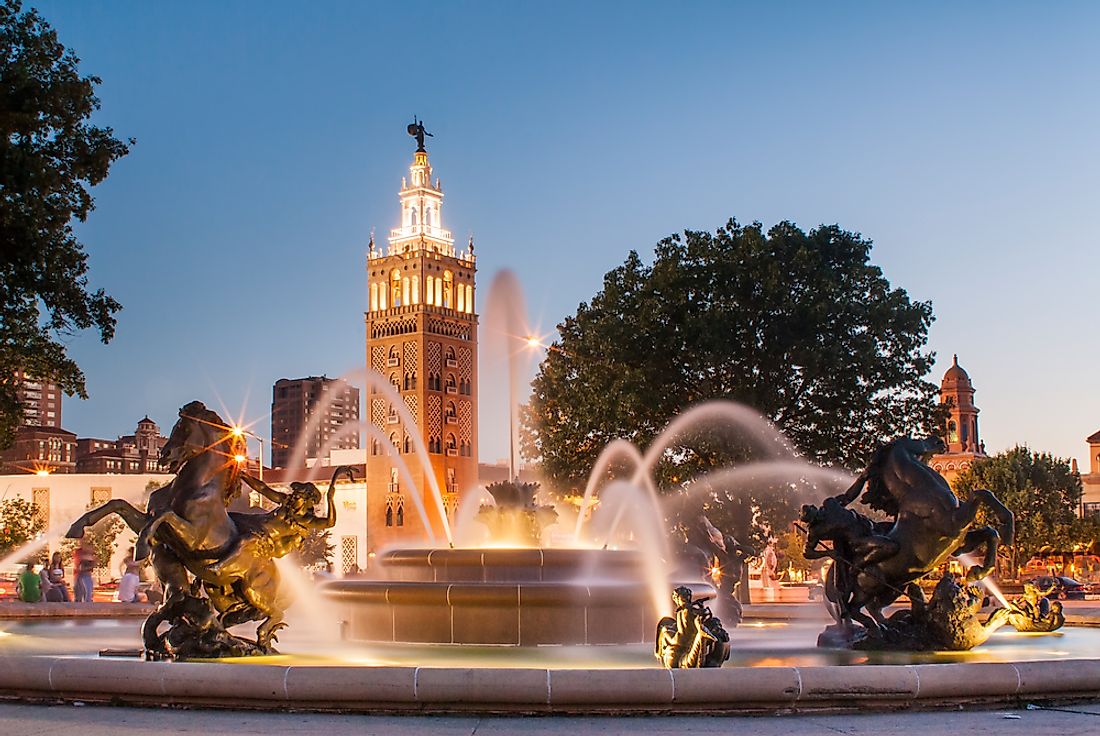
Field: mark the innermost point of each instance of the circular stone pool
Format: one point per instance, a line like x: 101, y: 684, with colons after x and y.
x: 774, y: 668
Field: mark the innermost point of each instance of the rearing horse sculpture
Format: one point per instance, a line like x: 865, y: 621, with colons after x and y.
x: 875, y: 561
x: 187, y: 529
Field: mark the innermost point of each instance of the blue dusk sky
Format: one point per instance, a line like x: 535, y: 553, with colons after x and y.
x: 962, y: 138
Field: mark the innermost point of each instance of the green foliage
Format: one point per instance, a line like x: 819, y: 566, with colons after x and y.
x: 19, y: 524
x: 790, y: 547
x: 101, y: 537
x: 1043, y: 492
x: 800, y: 326
x: 316, y: 549
x: 50, y: 155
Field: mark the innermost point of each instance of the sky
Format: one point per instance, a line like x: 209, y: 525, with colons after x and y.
x: 963, y: 139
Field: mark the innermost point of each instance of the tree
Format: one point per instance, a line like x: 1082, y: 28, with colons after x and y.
x: 800, y: 326
x: 316, y: 549
x: 20, y: 522
x: 50, y: 156
x: 1043, y: 492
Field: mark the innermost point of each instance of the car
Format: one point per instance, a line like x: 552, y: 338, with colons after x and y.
x: 1064, y: 588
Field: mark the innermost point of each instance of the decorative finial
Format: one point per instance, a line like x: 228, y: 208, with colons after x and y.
x: 371, y: 245
x: 955, y: 359
x: 416, y: 130
x: 471, y: 242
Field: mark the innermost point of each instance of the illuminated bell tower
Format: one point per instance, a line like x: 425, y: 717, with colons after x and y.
x: 421, y: 335
x: 961, y: 430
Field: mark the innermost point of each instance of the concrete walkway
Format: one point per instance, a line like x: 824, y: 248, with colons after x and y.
x: 61, y: 720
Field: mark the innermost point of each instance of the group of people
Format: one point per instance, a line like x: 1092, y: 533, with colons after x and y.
x: 49, y: 584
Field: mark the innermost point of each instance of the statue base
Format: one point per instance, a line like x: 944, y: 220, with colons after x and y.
x: 949, y: 621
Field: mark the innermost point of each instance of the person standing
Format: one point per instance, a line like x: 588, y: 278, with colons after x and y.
x: 84, y: 562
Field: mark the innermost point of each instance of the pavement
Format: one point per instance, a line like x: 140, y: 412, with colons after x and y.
x: 60, y: 720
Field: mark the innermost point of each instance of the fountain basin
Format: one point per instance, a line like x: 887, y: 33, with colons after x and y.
x: 516, y: 597
x: 489, y: 690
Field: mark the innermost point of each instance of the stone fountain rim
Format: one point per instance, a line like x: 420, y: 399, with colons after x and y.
x: 501, y: 689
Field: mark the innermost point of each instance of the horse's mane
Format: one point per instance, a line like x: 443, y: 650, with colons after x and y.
x: 234, y: 444
x: 877, y: 495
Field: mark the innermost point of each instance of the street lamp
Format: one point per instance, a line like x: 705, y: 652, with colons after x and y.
x: 242, y: 432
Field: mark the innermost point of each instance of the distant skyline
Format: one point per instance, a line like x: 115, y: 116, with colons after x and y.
x: 270, y: 140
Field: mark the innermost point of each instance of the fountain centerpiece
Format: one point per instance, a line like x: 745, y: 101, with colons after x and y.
x: 515, y: 515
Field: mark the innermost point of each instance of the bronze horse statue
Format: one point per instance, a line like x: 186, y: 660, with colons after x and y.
x: 187, y: 531
x: 875, y: 561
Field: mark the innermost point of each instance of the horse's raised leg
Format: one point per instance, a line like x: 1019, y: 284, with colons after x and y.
x: 134, y: 517
x: 1007, y: 519
x: 987, y: 537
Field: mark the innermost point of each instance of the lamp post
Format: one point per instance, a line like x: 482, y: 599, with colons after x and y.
x: 242, y: 432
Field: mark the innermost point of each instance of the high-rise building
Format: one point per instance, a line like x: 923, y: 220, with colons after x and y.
x: 964, y: 446
x: 41, y: 401
x: 422, y: 336
x: 313, y: 411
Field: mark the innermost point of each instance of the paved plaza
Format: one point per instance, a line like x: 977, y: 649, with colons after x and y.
x: 60, y: 720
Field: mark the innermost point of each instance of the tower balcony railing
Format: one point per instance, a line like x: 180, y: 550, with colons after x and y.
x: 430, y: 230
x: 418, y: 308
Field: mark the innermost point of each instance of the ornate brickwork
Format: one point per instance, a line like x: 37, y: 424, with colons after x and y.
x: 465, y: 363
x: 378, y: 358
x: 435, y: 415
x: 435, y: 357
x: 465, y: 420
x: 410, y: 355
x: 378, y: 412
x: 410, y: 401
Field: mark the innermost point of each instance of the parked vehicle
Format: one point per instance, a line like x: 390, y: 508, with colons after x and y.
x: 1064, y: 588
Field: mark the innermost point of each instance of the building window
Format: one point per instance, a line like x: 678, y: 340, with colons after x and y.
x: 100, y: 496
x: 429, y: 290
x: 395, y: 288
x: 447, y: 285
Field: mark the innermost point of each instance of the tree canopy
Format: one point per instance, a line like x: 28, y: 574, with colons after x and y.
x: 50, y: 156
x: 1043, y: 492
x: 800, y: 326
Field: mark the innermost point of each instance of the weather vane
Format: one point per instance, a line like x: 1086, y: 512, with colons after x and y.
x: 416, y: 130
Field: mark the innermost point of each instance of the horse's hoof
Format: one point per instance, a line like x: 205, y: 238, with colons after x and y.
x: 141, y: 551
x: 75, y: 532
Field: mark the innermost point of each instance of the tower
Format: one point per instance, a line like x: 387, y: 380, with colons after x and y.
x: 422, y: 336
x: 961, y: 430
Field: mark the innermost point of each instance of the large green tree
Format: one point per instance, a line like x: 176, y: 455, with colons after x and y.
x: 800, y: 326
x: 1043, y: 492
x: 20, y: 522
x: 50, y: 156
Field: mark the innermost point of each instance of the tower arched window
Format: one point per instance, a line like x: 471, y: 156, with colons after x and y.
x: 952, y: 432
x: 412, y: 216
x: 415, y: 289
x: 406, y: 291
x: 460, y: 302
x: 374, y: 297
x: 452, y: 385
x: 447, y: 287
x: 429, y: 290
x: 400, y: 514
x: 428, y: 217
x: 407, y: 445
x: 469, y: 298
x: 374, y: 447
x: 452, y: 413
x: 389, y: 514
x: 395, y: 288
x: 394, y: 382
x: 395, y: 481
x: 452, y: 444
x: 393, y: 443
